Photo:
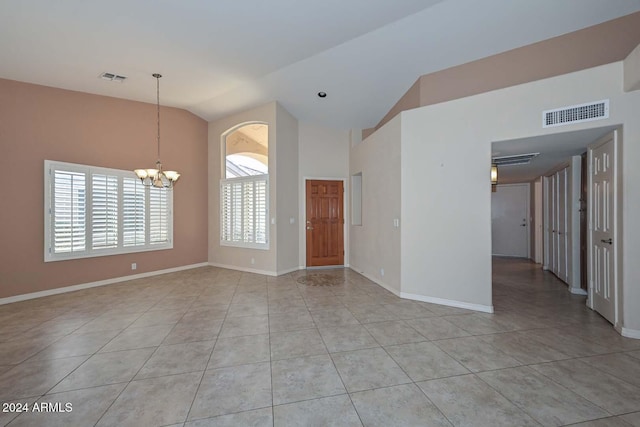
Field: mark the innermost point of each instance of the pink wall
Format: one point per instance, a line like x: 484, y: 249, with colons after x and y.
x: 38, y: 123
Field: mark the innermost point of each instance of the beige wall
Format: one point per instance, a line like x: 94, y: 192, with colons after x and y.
x: 446, y: 244
x: 375, y: 244
x: 283, y: 203
x: 38, y: 123
x: 322, y: 153
x: 600, y: 44
x: 287, y: 191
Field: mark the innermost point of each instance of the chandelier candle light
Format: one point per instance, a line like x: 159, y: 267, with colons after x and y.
x: 157, y: 177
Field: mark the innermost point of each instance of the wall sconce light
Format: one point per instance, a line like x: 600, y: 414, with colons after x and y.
x: 494, y: 177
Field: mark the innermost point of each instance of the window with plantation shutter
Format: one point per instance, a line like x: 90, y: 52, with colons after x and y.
x: 92, y: 211
x: 243, y: 212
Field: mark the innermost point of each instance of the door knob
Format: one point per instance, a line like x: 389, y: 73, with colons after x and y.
x: 309, y: 228
x: 523, y: 225
x: 609, y: 241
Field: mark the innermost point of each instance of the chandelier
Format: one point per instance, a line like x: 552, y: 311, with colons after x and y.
x: 157, y: 177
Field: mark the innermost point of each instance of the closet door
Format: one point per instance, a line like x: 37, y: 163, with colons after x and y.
x: 554, y: 223
x: 562, y: 225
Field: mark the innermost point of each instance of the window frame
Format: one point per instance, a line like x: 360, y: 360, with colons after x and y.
x: 244, y: 244
x: 50, y: 166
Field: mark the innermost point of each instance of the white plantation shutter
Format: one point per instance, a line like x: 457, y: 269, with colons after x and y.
x: 104, y: 211
x: 92, y: 211
x: 70, y: 211
x: 243, y: 211
x: 133, y: 212
x: 158, y: 215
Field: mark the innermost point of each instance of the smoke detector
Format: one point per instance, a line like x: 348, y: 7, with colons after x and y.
x: 112, y: 77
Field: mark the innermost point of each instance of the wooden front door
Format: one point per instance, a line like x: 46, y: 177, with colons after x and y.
x: 325, y: 223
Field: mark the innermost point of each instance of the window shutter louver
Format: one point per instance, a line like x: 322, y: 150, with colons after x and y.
x: 104, y: 211
x: 69, y: 211
x: 133, y: 216
x: 243, y: 211
x: 158, y: 218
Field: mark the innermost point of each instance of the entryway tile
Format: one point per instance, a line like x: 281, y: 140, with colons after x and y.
x: 367, y: 369
x: 327, y: 411
x: 304, y: 378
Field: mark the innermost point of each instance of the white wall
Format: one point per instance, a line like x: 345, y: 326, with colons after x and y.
x: 375, y: 244
x: 322, y: 153
x: 287, y: 190
x: 446, y: 153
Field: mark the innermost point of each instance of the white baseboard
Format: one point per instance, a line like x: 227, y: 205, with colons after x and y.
x: 578, y: 291
x: 244, y: 269
x: 81, y: 286
x: 630, y: 333
x: 376, y: 281
x: 449, y: 302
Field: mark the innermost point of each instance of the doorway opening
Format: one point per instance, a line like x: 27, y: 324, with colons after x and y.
x: 559, y: 211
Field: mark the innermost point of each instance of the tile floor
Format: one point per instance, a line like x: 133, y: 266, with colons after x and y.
x: 213, y: 347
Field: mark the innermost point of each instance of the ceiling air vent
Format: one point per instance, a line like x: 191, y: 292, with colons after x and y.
x: 514, y: 160
x: 113, y: 77
x: 576, y: 114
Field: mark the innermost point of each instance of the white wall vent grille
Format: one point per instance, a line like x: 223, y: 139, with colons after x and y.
x: 112, y: 77
x: 576, y: 114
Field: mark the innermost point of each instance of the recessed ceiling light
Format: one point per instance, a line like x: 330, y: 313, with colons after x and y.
x: 322, y: 94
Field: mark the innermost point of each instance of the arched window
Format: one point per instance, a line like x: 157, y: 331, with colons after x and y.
x: 244, y: 188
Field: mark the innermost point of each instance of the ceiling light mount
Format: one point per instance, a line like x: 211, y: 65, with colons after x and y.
x: 157, y: 177
x: 322, y: 94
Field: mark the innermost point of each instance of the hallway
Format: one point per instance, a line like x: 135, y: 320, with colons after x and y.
x: 210, y: 346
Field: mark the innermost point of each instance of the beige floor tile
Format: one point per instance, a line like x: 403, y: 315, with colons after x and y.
x: 545, y: 400
x: 76, y: 345
x: 347, y: 338
x: 403, y: 405
x: 468, y: 401
x: 333, y: 317
x: 158, y: 317
x: 523, y: 348
x: 372, y: 313
x: 177, y: 359
x: 633, y: 419
x: 368, y: 369
x: 105, y: 368
x: 306, y: 342
x: 475, y: 354
x: 291, y: 321
x: 153, y: 402
x: 36, y: 378
x: 241, y: 350
x: 437, y: 328
x: 85, y: 408
x: 19, y: 350
x: 394, y: 332
x: 604, y: 422
x: 12, y: 412
x: 620, y: 365
x: 408, y: 309
x: 610, y: 393
x: 194, y: 330
x: 246, y: 325
x: 425, y: 361
x: 132, y: 338
x: 475, y: 324
x: 304, y: 378
x: 233, y: 389
x: 256, y: 418
x: 252, y: 309
x: 326, y: 411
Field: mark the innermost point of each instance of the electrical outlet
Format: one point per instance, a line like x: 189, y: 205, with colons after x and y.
x: 134, y: 265
x: 253, y: 261
x: 382, y: 271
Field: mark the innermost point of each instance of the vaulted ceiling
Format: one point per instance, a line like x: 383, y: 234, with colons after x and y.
x: 220, y: 57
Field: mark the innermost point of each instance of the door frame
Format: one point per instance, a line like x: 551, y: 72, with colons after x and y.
x: 303, y: 218
x: 528, y: 213
x: 617, y: 223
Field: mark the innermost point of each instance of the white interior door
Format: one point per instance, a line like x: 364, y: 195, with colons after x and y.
x: 562, y: 224
x: 554, y: 223
x: 509, y: 220
x: 602, y: 223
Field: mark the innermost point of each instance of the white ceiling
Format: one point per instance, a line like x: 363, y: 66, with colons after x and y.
x: 554, y: 150
x: 220, y: 57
